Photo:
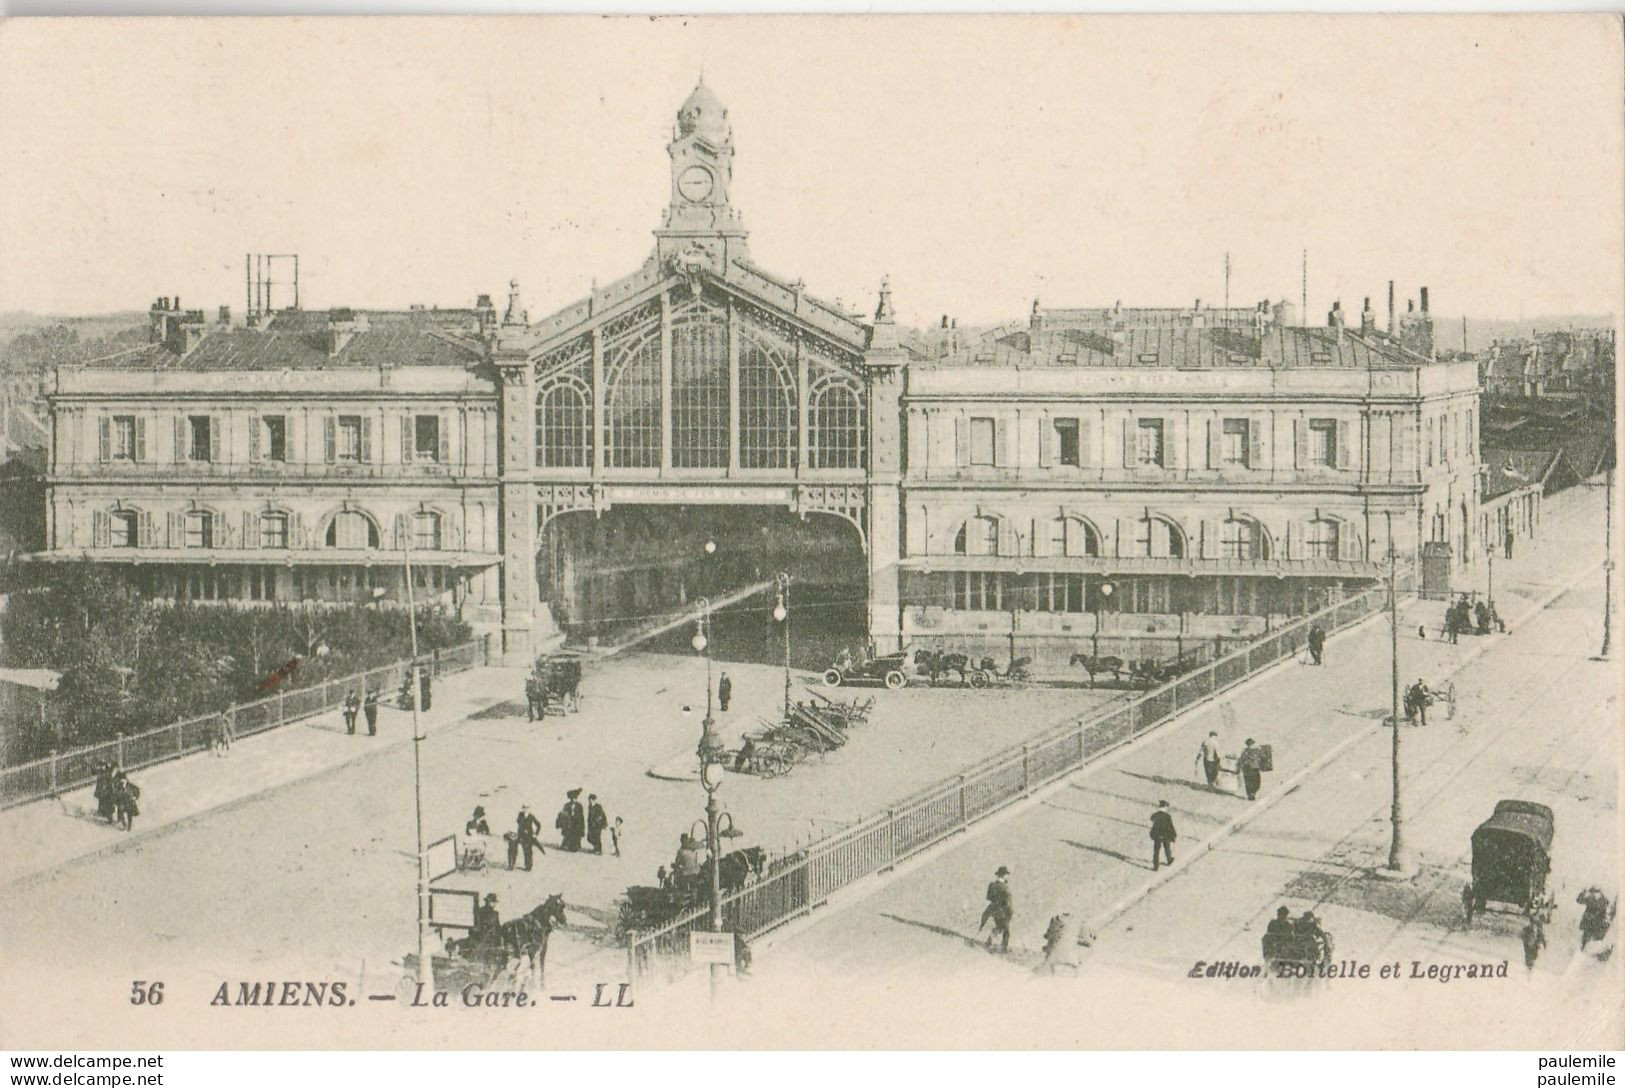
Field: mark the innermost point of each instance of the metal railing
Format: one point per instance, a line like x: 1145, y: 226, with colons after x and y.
x: 793, y: 886
x: 62, y: 771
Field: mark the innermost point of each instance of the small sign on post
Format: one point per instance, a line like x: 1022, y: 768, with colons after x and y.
x: 705, y: 947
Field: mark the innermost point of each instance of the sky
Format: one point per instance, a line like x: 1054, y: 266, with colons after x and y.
x: 979, y: 162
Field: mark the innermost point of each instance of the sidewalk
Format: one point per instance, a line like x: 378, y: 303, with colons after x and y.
x: 42, y: 835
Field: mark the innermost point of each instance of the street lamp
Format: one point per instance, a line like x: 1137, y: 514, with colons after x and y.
x: 425, y: 964
x: 1398, y: 867
x: 1608, y: 567
x: 781, y: 613
x: 711, y: 771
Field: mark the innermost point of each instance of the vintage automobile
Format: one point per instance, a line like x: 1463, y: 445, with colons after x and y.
x: 1512, y: 855
x: 888, y: 669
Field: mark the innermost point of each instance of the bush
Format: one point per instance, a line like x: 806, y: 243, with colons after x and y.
x: 130, y: 665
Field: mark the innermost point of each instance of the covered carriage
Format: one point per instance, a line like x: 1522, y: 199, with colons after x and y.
x: 554, y: 686
x: 1512, y: 856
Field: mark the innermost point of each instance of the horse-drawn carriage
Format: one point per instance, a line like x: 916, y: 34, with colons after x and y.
x: 1512, y: 855
x: 978, y: 674
x: 553, y: 686
x: 487, y: 952
x: 646, y: 908
x: 888, y: 669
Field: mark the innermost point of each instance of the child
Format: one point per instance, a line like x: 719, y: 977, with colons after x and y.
x: 615, y: 836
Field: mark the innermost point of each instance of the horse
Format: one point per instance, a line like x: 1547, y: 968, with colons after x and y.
x: 528, y: 934
x: 535, y: 703
x: 934, y: 664
x: 1096, y: 665
x: 740, y: 867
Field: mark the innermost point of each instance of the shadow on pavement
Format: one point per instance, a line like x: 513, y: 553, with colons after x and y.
x: 1109, y: 853
x: 1412, y: 901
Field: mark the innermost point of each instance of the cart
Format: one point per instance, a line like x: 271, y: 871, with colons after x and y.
x: 987, y: 674
x: 554, y: 686
x: 1511, y: 860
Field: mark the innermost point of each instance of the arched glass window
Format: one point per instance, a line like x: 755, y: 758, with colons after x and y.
x: 1073, y: 537
x: 1243, y: 538
x: 699, y: 391
x: 351, y: 529
x: 835, y: 431
x: 1159, y: 538
x: 978, y: 536
x: 1324, y: 539
x: 632, y: 405
x: 767, y: 406
x: 564, y: 424
x: 426, y: 530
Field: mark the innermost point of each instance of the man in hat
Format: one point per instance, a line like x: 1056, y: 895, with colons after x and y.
x: 1250, y: 765
x: 725, y: 692
x: 487, y: 922
x: 1000, y: 910
x: 370, y: 707
x: 1162, y: 836
x: 1317, y: 643
x: 1312, y: 937
x: 1210, y: 759
x: 1280, y: 925
x: 597, y: 820
x: 524, y: 837
x: 352, y: 709
x: 571, y: 821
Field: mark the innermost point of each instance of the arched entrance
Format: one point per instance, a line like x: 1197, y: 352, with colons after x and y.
x: 635, y: 567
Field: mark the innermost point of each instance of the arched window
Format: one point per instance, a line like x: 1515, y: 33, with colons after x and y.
x: 835, y: 431
x: 1243, y: 538
x: 426, y: 531
x: 124, y: 529
x: 1073, y: 537
x: 632, y: 404
x: 699, y: 391
x: 767, y: 405
x: 351, y: 529
x: 1324, y: 539
x: 1160, y: 538
x: 564, y: 423
x: 978, y: 536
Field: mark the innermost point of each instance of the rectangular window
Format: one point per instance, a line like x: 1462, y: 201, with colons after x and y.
x: 200, y: 446
x: 1148, y: 450
x: 1059, y: 592
x: 273, y: 530
x: 981, y: 441
x: 1234, y: 443
x: 426, y: 531
x: 199, y: 530
x: 977, y: 591
x: 426, y: 438
x: 276, y: 437
x: 123, y: 438
x: 1323, y: 443
x: 1427, y: 446
x: 1066, y: 442
x: 123, y: 532
x: 349, y: 438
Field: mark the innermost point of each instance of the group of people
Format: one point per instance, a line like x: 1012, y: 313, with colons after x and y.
x: 1251, y: 763
x: 117, y: 797
x: 1465, y: 617
x: 355, y: 706
x: 574, y: 823
x: 1299, y: 938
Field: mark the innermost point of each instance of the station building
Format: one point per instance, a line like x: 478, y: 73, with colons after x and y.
x: 1140, y: 479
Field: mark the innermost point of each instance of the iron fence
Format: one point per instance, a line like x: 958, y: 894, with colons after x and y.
x: 62, y: 771
x: 806, y: 880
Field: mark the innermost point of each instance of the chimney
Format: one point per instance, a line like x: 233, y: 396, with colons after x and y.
x: 487, y: 311
x: 1368, y: 319
x: 1410, y: 305
x: 1390, y: 307
x: 1335, y: 318
x: 1424, y: 293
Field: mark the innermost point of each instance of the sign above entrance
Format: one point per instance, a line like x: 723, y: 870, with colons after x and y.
x: 698, y: 493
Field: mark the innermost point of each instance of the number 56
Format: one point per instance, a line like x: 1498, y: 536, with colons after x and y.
x: 146, y: 993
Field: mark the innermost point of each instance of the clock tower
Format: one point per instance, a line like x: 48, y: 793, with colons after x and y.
x: 699, y: 216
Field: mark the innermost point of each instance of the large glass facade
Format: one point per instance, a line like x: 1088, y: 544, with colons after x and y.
x: 632, y: 404
x: 699, y: 390
x: 767, y: 405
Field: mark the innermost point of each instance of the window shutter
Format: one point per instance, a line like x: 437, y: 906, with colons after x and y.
x: 293, y: 434
x: 1126, y: 542
x: 1255, y: 443
x: 216, y: 425
x: 1342, y: 444
x: 101, y: 530
x: 407, y: 439
x: 1009, y: 543
x: 445, y: 439
x: 181, y: 452
x: 1131, y: 453
x: 1049, y: 441
x: 1347, y: 546
x: 1215, y: 443
x: 1171, y: 441
x: 400, y: 532
x: 451, y: 530
x: 140, y: 438
x: 1042, y: 528
x: 366, y: 440
x: 1085, y: 442
x: 253, y: 438
x: 143, y: 529
x: 1001, y: 442
x: 104, y: 440
x: 962, y: 441
x: 1210, y: 539
x: 1296, y: 533
x: 1300, y: 431
x: 172, y: 530
x: 329, y: 429
x: 915, y: 528
x: 296, y: 531
x: 250, y: 527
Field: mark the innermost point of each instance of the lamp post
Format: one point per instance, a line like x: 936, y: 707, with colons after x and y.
x: 425, y: 962
x: 781, y: 613
x: 1398, y: 866
x: 1607, y: 567
x: 710, y: 757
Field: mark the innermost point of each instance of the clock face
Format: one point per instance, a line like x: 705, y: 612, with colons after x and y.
x: 694, y: 183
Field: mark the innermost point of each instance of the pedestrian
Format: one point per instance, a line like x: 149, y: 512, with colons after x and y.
x: 1211, y: 760
x: 1417, y: 698
x: 104, y: 792
x: 1317, y: 643
x: 1534, y: 939
x: 352, y: 707
x: 596, y: 822
x: 370, y: 708
x: 225, y: 730
x: 1510, y: 535
x: 477, y: 824
x: 725, y: 691
x: 1062, y: 937
x: 615, y: 836
x: 126, y: 794
x: 1000, y: 910
x: 1250, y: 765
x: 524, y: 837
x: 571, y: 822
x: 1162, y: 836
